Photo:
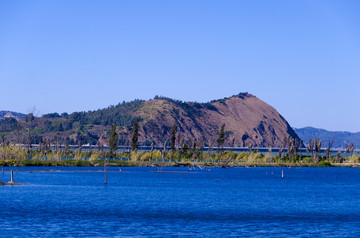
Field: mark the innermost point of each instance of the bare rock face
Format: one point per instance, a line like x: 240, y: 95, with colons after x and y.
x: 247, y: 119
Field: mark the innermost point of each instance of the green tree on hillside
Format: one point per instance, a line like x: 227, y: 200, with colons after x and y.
x: 221, y: 138
x: 173, y: 137
x: 135, y: 135
x: 29, y: 117
x: 113, y: 140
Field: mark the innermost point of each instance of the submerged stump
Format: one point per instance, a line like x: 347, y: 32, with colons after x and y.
x: 12, y: 177
x: 11, y: 182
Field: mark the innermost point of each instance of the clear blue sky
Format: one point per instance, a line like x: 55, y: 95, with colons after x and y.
x: 302, y: 57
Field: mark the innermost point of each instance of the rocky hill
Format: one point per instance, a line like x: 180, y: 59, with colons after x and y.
x: 8, y: 114
x: 247, y: 119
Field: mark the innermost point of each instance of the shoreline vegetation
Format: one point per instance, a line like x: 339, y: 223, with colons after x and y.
x: 17, y: 156
x: 175, y: 151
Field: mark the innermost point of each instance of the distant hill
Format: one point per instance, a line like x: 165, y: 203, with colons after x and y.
x: 247, y: 119
x: 340, y: 138
x: 8, y: 114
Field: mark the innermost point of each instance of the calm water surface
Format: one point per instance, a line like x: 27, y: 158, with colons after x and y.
x: 247, y: 202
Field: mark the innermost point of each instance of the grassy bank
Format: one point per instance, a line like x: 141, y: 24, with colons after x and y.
x: 119, y: 163
x: 12, y: 155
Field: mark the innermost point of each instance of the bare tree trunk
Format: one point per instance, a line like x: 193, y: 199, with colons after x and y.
x: 209, y: 150
x: 4, y: 155
x: 151, y: 151
x: 163, y: 154
x: 201, y: 147
x: 280, y: 152
x: 317, y: 149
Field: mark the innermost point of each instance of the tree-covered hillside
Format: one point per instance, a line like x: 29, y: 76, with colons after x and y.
x: 339, y: 139
x: 248, y: 121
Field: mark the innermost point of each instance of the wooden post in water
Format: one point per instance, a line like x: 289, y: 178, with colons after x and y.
x: 105, y: 171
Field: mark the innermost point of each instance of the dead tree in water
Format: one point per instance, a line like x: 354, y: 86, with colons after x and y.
x: 347, y: 149
x: 221, y: 137
x: 105, y: 170
x: 29, y: 119
x: 190, y: 146
x: 4, y: 145
x: 311, y: 147
x: 307, y: 150
x: 49, y: 145
x: 184, y: 149
x: 113, y: 141
x: 201, y: 148
x: 173, y: 138
x: 56, y: 145
x: 80, y: 147
x: 327, y: 152
x: 270, y: 154
x: 296, y: 147
x: 179, y: 144
x: 209, y: 150
x: 67, y: 147
x: 289, y: 143
x: 317, y: 149
x: 152, y: 150
x: 280, y: 151
x: 28, y: 140
x: 194, y: 151
x: 98, y: 145
x: 339, y: 159
x: 61, y: 141
x: 163, y: 152
x: 352, y: 149
x: 250, y: 148
x: 163, y: 155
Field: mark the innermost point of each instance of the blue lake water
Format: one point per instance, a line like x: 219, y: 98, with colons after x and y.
x: 247, y: 202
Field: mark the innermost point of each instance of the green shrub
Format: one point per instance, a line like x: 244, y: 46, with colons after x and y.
x: 243, y: 157
x: 354, y: 159
x: 324, y: 164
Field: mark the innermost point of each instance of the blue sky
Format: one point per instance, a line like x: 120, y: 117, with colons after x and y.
x: 302, y: 57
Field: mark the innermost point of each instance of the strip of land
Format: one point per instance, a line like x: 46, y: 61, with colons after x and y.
x: 12, y: 155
